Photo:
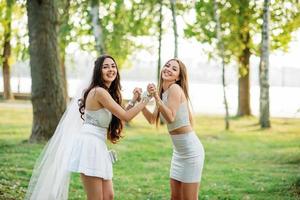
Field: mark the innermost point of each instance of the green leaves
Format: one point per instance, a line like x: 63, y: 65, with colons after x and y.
x: 14, y: 13
x: 120, y: 22
x: 241, y: 21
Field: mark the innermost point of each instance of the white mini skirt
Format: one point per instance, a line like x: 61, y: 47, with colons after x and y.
x: 188, y: 158
x: 90, y: 154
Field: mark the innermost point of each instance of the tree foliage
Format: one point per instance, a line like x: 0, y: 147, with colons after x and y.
x: 240, y: 17
x: 19, y: 33
x: 120, y: 23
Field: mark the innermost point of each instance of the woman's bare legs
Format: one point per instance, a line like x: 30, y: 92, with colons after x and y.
x: 108, y: 191
x: 176, y: 189
x: 183, y: 191
x: 190, y: 191
x: 92, y: 187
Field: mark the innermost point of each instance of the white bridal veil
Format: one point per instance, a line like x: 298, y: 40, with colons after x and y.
x: 50, y: 177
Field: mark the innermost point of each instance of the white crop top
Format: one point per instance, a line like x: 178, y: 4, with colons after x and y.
x: 182, y: 114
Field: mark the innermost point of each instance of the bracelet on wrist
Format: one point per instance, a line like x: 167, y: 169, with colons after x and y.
x: 131, y: 103
x: 146, y: 97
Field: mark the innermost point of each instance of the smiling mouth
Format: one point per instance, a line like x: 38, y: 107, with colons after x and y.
x: 167, y: 73
x: 111, y: 75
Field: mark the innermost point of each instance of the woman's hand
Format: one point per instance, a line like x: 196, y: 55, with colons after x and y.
x: 151, y: 88
x: 137, y: 92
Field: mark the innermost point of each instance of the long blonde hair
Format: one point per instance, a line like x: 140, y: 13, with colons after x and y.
x: 182, y: 82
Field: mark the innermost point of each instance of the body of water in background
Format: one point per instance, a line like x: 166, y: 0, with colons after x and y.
x: 205, y: 98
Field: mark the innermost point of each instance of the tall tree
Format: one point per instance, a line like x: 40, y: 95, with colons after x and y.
x: 7, y: 93
x: 64, y: 39
x: 97, y: 26
x: 16, y: 49
x: 173, y: 10
x: 159, y: 39
x: 48, y: 98
x: 221, y: 50
x: 264, y: 118
x: 240, y: 22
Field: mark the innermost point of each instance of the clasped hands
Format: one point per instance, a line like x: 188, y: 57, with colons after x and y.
x: 138, y: 94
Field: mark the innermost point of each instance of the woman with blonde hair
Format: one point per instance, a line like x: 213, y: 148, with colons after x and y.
x: 172, y: 106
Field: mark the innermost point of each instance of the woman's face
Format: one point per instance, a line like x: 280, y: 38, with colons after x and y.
x: 171, y: 71
x: 109, y: 70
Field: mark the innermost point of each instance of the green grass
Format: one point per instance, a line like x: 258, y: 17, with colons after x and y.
x: 244, y: 163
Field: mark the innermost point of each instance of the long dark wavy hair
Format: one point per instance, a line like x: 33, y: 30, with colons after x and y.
x: 116, y: 125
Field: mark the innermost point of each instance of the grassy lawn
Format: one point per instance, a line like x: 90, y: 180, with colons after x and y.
x: 244, y: 163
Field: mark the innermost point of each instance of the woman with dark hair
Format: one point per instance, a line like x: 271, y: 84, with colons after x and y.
x: 101, y: 106
x: 172, y: 106
x: 81, y: 147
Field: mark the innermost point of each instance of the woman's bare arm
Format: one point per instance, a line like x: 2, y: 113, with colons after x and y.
x: 169, y: 110
x: 105, y: 99
x: 150, y: 116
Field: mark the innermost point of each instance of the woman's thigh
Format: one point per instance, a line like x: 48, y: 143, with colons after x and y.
x: 108, y: 191
x: 176, y: 189
x: 190, y: 191
x: 93, y: 187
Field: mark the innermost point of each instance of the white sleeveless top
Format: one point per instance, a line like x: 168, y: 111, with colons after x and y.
x: 182, y: 114
x: 100, y: 118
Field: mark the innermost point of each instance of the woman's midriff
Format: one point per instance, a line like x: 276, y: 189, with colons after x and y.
x: 181, y: 130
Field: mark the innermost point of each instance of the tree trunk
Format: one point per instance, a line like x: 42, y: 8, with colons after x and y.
x: 64, y: 74
x: 97, y: 29
x: 225, y: 96
x: 48, y: 100
x: 173, y: 9
x: 159, y: 41
x: 7, y: 93
x: 264, y: 119
x: 221, y: 50
x: 244, y: 81
x: 64, y: 31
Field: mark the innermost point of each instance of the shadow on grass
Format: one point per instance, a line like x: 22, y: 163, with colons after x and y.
x: 296, y: 188
x: 253, y: 125
x: 294, y: 162
x: 240, y: 117
x: 259, y: 129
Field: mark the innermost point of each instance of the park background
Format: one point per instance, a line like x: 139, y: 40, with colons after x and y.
x: 256, y: 157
